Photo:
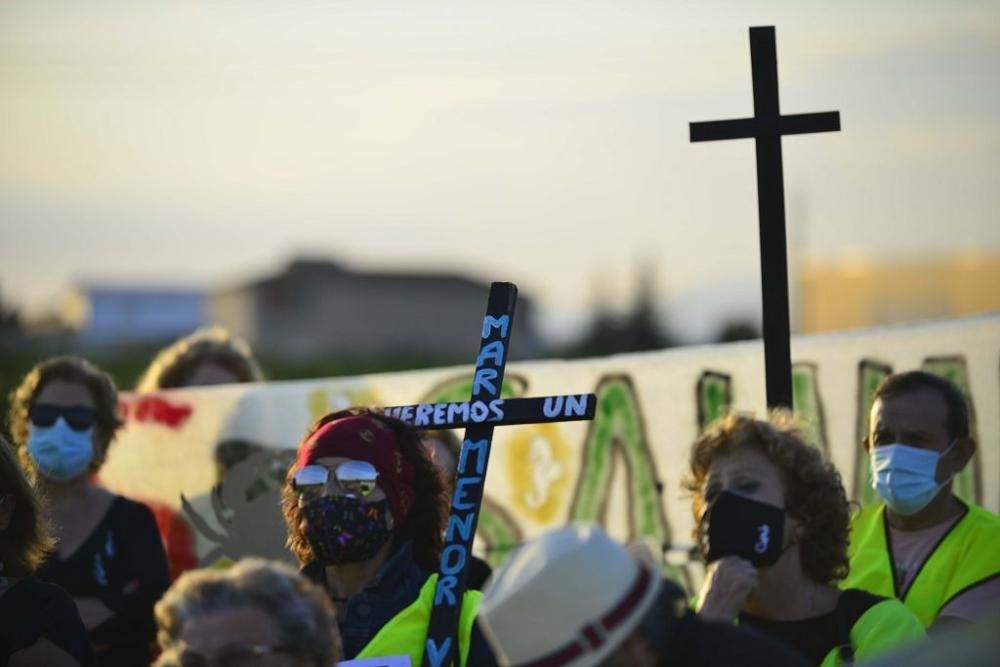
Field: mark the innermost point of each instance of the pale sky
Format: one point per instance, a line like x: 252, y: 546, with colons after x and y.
x: 545, y: 143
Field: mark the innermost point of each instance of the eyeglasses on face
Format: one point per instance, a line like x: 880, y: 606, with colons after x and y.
x: 78, y: 417
x: 232, y: 655
x: 356, y: 478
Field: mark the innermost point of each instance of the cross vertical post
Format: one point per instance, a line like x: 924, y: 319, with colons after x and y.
x: 767, y: 127
x: 484, y: 410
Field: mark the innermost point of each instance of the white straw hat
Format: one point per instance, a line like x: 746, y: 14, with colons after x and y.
x: 568, y: 597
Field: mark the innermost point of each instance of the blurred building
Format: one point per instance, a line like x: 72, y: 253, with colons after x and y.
x: 318, y: 308
x: 100, y: 315
x: 861, y: 293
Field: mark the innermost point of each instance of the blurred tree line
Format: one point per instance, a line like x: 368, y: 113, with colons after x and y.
x: 641, y: 328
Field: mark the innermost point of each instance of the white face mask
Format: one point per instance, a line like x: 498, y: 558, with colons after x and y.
x: 905, y: 476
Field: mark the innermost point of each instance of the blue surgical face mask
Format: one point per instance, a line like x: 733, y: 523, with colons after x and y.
x: 905, y: 477
x: 60, y: 452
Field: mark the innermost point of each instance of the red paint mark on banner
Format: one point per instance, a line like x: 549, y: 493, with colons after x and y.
x: 154, y: 409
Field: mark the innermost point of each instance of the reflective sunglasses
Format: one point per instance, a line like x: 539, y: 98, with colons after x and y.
x: 78, y: 417
x: 357, y: 478
x: 233, y: 655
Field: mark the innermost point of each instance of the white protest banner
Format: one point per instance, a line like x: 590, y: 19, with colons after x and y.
x: 623, y: 469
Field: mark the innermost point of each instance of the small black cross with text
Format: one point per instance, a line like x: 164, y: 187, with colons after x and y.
x: 484, y: 410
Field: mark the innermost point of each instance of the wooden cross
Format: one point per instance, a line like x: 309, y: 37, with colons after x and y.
x: 484, y: 410
x: 766, y: 127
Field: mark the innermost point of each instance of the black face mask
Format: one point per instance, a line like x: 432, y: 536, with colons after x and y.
x: 739, y: 526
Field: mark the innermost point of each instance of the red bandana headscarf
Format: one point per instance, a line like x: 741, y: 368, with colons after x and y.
x: 363, y: 438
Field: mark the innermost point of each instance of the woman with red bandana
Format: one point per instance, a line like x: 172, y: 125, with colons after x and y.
x: 365, y: 509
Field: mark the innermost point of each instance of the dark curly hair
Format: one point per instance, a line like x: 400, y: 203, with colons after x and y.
x: 424, y: 526
x: 814, y: 493
x: 68, y: 369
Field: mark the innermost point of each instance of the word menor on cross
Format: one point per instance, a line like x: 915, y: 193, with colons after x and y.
x: 441, y: 647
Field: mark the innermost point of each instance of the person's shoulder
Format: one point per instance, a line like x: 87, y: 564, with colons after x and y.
x: 888, y: 610
x: 985, y: 518
x: 983, y: 531
x: 883, y: 624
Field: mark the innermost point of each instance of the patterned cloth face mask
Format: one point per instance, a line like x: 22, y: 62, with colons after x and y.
x: 345, y: 529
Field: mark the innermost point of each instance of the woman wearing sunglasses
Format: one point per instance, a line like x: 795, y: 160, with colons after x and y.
x: 108, y: 553
x: 365, y: 508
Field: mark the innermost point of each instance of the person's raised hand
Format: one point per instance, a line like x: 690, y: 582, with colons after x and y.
x: 728, y: 583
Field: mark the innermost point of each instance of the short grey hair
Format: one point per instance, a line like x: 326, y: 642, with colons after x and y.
x: 300, y: 609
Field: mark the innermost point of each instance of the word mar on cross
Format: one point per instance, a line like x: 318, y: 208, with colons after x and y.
x: 484, y: 410
x: 767, y: 127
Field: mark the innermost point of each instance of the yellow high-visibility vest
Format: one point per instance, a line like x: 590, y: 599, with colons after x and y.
x: 968, y: 555
x: 885, y: 626
x: 405, y: 633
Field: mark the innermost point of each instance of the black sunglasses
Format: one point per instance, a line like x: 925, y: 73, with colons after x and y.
x: 78, y: 417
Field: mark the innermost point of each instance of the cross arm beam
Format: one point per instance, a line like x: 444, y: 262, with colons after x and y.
x: 714, y: 130
x: 806, y: 123
x: 748, y: 128
x: 498, y: 412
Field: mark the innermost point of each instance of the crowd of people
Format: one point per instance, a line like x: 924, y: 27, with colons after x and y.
x: 795, y: 575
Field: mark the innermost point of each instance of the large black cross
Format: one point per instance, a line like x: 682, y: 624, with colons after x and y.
x: 480, y: 415
x: 766, y: 127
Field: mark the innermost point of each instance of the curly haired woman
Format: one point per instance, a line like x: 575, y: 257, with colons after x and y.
x: 108, y: 554
x: 772, y: 519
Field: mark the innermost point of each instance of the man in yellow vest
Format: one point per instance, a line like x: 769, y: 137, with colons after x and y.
x: 936, y: 553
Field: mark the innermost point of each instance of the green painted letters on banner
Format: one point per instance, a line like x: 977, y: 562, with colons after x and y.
x: 808, y: 404
x: 714, y: 396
